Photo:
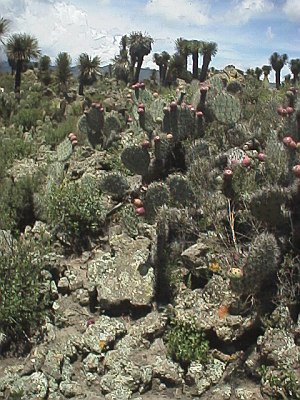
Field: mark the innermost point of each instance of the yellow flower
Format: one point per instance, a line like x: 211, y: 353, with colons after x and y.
x: 102, y: 344
x: 214, y: 266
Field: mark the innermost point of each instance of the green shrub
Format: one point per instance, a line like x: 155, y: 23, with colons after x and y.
x: 27, y: 118
x: 55, y: 134
x: 16, y: 203
x: 186, y: 343
x: 76, y: 210
x: 22, y: 307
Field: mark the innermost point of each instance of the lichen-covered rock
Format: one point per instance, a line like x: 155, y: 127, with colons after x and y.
x: 209, y: 309
x: 277, y: 347
x: 124, y: 274
x: 102, y: 334
x: 25, y: 388
x: 204, y: 376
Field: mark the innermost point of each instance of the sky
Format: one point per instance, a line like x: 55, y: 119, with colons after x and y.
x: 247, y: 32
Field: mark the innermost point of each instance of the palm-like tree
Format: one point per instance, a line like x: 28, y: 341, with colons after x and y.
x: 266, y: 71
x: 176, y: 68
x: 278, y: 61
x: 162, y: 60
x: 258, y: 72
x: 195, y: 46
x: 208, y: 50
x: 89, y: 68
x: 182, y: 48
x: 63, y: 70
x: 121, y: 65
x: 295, y: 69
x: 4, y: 26
x: 139, y: 46
x: 44, y: 73
x: 20, y: 48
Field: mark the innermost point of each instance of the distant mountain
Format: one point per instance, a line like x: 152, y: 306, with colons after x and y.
x: 144, y: 74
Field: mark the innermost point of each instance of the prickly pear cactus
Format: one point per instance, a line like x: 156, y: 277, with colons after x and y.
x: 115, y: 184
x: 91, y: 124
x: 180, y: 121
x: 156, y: 110
x: 55, y: 174
x: 129, y: 220
x: 180, y: 190
x: 64, y: 150
x: 111, y: 129
x: 226, y: 108
x: 136, y: 159
x: 157, y: 195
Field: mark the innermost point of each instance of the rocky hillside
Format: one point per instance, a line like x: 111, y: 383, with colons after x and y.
x: 150, y: 241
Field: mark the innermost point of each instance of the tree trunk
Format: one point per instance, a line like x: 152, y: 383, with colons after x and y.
x: 80, y: 89
x: 195, y: 56
x: 277, y: 78
x: 138, y: 69
x: 204, y: 69
x: 164, y: 74
x: 18, y: 76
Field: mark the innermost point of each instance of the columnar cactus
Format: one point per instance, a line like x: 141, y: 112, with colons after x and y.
x: 266, y: 205
x: 262, y: 261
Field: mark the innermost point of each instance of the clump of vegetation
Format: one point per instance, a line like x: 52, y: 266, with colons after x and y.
x: 75, y: 210
x: 186, y: 343
x: 22, y: 303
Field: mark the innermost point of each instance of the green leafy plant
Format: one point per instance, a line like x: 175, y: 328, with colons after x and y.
x: 186, y: 343
x: 22, y: 306
x: 75, y: 210
x: 27, y: 118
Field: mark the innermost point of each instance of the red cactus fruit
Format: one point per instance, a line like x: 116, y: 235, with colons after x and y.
x: 246, y: 161
x: 137, y: 203
x: 261, y: 156
x: 227, y: 174
x: 290, y: 110
x: 140, y: 211
x: 146, y: 144
x: 296, y: 170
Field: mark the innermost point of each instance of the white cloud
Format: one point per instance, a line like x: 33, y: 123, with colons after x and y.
x: 245, y: 10
x: 183, y: 11
x: 292, y: 9
x: 269, y: 33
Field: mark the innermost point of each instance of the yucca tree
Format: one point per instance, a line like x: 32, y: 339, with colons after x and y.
x: 162, y: 60
x: 44, y: 69
x: 295, y: 69
x: 183, y: 49
x: 208, y: 50
x: 176, y: 68
x: 121, y: 65
x: 139, y: 46
x: 63, y: 70
x: 258, y: 72
x: 89, y: 68
x: 4, y: 28
x: 266, y: 69
x: 278, y: 61
x: 194, y: 47
x: 21, y: 48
